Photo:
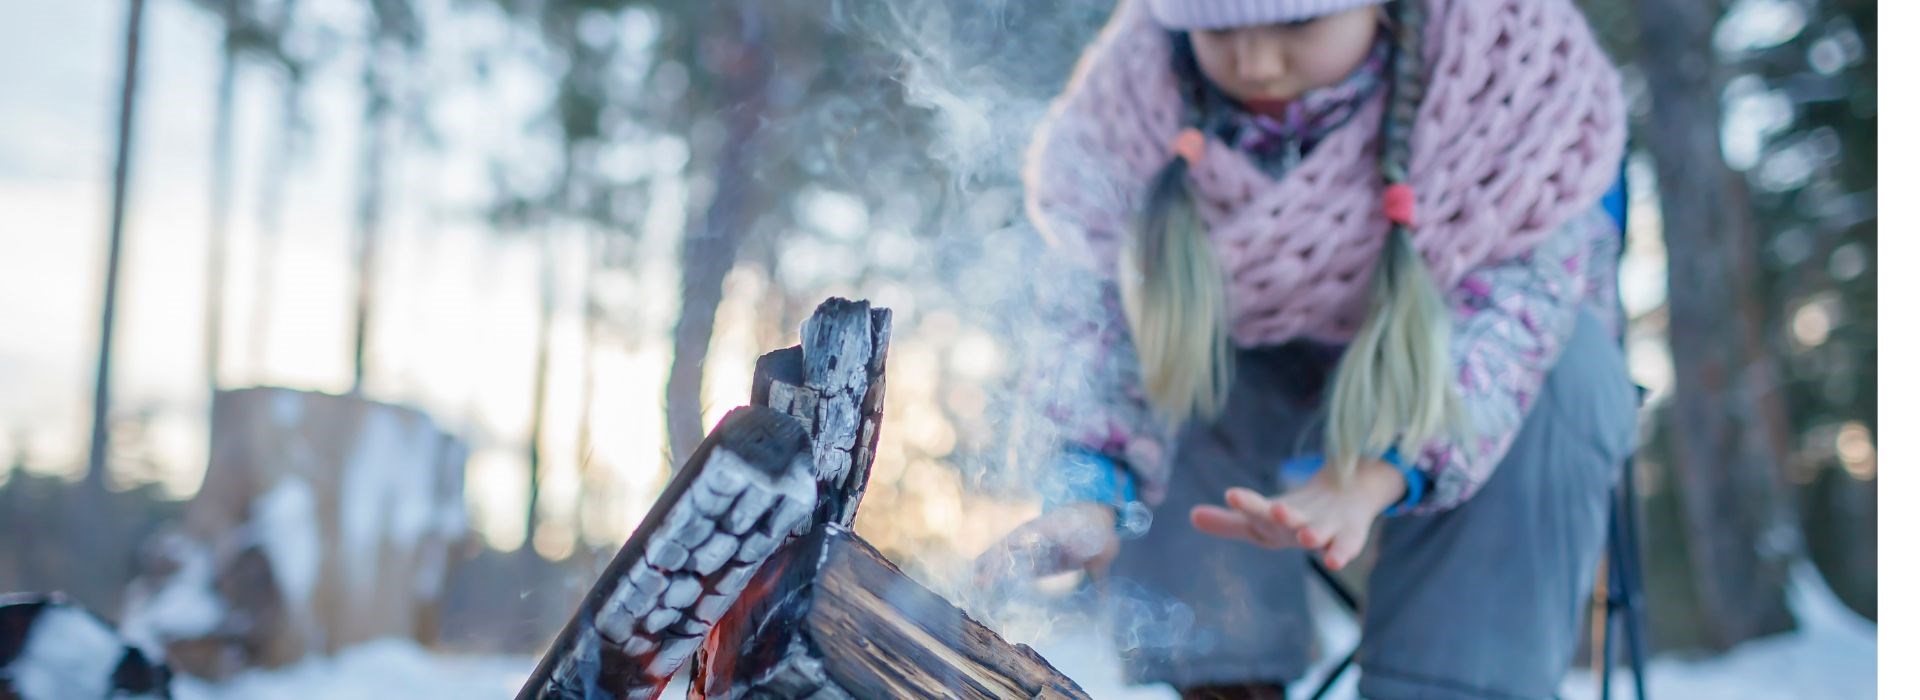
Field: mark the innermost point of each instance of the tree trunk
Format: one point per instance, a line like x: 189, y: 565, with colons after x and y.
x: 709, y: 250
x: 123, y: 157
x: 590, y: 339
x: 1726, y: 419
x: 220, y: 194
x: 273, y: 188
x: 373, y: 149
x: 536, y: 434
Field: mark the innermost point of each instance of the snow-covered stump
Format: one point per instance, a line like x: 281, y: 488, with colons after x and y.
x: 324, y: 521
x: 742, y: 494
x: 51, y: 649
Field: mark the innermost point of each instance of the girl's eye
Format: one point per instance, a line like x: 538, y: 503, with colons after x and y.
x: 1300, y: 23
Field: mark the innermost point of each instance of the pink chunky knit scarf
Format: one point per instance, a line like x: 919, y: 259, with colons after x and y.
x: 1523, y: 127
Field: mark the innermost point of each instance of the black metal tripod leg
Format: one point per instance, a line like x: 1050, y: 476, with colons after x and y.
x: 1352, y: 603
x: 1326, y: 684
x: 1633, y: 593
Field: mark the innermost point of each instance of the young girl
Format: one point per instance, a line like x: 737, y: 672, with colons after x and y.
x: 1359, y: 274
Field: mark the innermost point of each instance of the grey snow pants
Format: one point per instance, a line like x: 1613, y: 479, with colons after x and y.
x: 1481, y: 601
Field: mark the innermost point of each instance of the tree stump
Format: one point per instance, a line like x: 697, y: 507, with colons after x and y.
x: 324, y: 521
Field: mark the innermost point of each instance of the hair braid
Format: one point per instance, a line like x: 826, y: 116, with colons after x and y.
x: 1172, y: 291
x: 1391, y: 388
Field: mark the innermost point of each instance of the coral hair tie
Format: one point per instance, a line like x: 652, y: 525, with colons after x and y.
x: 1191, y: 145
x: 1398, y: 203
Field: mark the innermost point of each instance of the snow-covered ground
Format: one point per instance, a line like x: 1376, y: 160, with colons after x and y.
x: 381, y: 669
x: 1831, y: 656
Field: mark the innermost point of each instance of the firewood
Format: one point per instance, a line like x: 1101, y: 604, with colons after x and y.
x: 751, y: 550
x: 747, y: 489
x: 834, y: 382
x: 829, y: 617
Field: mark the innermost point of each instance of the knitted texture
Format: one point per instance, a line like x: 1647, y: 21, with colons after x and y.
x: 1222, y: 14
x: 1522, y: 128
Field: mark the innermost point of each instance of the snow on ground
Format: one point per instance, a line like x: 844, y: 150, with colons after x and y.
x: 380, y: 669
x: 1836, y: 664
x: 67, y: 653
x: 182, y: 605
x: 388, y: 668
x: 1832, y: 656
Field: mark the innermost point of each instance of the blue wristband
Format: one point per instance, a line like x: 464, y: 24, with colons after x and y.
x: 1084, y: 476
x: 1416, y: 483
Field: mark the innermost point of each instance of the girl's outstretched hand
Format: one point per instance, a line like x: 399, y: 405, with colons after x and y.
x: 1073, y: 537
x: 1325, y: 516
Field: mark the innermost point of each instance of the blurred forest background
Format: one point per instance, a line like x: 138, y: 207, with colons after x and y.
x: 560, y: 231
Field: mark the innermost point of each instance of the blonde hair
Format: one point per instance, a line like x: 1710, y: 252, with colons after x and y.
x: 1391, y: 388
x: 1175, y: 301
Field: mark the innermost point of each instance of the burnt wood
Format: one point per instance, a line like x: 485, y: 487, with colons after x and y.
x: 830, y: 617
x: 745, y: 491
x: 750, y: 549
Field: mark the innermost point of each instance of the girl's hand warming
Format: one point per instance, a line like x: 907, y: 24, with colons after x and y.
x: 1324, y: 516
x: 1073, y: 537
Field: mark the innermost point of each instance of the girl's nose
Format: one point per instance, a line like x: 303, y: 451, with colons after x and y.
x: 1259, y: 60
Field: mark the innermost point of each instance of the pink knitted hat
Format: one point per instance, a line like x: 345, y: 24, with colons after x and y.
x: 1223, y: 14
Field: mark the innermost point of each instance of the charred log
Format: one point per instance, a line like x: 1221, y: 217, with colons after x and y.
x: 830, y: 617
x: 750, y: 550
x: 834, y: 382
x: 745, y: 491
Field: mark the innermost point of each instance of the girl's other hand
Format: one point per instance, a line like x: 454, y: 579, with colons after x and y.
x: 1079, y: 536
x: 1325, y: 516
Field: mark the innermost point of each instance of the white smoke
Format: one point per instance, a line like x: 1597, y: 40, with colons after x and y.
x: 985, y: 73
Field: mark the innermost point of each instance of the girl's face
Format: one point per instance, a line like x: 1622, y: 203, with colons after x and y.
x: 1273, y: 63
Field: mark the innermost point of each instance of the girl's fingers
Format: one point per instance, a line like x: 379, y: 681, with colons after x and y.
x: 1345, y: 548
x: 1221, y: 522
x: 1028, y: 552
x: 1333, y: 554
x: 1300, y: 520
x: 1289, y: 512
x: 1002, y: 563
x: 1310, y: 538
x: 1259, y: 512
x: 1249, y: 502
x: 1231, y: 524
